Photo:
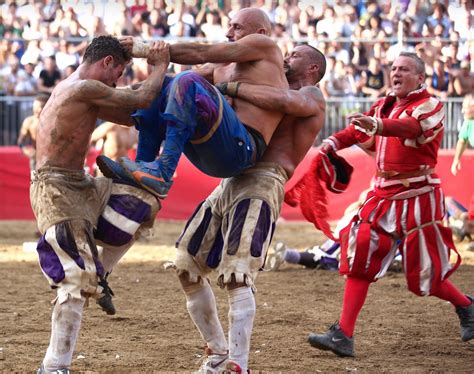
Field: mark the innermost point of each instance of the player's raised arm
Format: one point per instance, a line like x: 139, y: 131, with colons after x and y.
x: 102, y: 95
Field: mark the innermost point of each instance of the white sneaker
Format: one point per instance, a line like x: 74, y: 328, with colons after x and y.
x: 214, y: 363
x: 277, y: 256
x: 318, y: 253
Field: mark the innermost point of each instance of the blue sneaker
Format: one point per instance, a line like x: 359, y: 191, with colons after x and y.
x: 112, y: 169
x: 147, y: 177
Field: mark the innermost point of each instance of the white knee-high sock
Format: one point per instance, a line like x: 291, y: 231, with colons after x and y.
x: 65, y: 324
x: 112, y: 255
x: 202, y: 308
x: 241, y: 315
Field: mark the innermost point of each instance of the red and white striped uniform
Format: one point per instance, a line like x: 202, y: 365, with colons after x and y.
x: 405, y: 213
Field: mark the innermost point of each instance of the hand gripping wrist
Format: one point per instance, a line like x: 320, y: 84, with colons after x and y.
x: 140, y: 49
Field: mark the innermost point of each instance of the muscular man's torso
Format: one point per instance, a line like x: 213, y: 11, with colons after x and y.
x: 264, y: 72
x: 65, y: 127
x: 293, y: 138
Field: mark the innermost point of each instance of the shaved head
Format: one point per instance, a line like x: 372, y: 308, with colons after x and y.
x: 255, y: 18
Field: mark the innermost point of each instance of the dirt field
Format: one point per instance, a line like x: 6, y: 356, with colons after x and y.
x: 397, y: 332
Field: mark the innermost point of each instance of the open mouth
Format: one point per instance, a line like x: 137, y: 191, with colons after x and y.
x: 396, y: 83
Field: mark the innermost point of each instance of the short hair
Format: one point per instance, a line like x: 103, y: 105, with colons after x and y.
x: 103, y: 46
x: 419, y: 63
x: 42, y: 97
x: 317, y: 57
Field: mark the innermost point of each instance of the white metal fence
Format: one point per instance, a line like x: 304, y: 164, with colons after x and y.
x: 13, y: 110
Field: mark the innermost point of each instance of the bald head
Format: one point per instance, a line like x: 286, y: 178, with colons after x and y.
x: 255, y: 19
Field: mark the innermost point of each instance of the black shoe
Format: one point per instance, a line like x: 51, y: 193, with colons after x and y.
x: 334, y: 340
x: 466, y: 317
x: 105, y: 302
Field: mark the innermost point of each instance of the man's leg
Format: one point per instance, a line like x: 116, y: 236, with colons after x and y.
x: 73, y: 274
x: 339, y: 338
x: 242, y: 311
x: 128, y: 210
x: 65, y: 325
x: 202, y: 308
x: 191, y: 101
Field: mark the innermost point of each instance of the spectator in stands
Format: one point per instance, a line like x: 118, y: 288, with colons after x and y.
x: 26, y: 83
x: 329, y: 24
x: 440, y: 17
x: 159, y: 27
x: 464, y: 82
x: 12, y: 74
x: 212, y: 28
x: 66, y: 56
x: 426, y: 50
x: 49, y: 76
x: 440, y: 83
x: 358, y: 51
x: 374, y: 80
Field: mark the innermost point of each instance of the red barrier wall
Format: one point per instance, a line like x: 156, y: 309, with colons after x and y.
x: 191, y: 186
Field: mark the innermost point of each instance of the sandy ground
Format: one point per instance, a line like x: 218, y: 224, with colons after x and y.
x: 397, y: 332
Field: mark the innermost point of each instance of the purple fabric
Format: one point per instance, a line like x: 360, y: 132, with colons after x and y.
x: 131, y: 207
x: 215, y: 254
x: 49, y: 261
x: 187, y: 223
x: 261, y: 230
x: 110, y: 234
x: 196, y: 240
x: 67, y: 242
x: 237, y: 226
x: 292, y: 256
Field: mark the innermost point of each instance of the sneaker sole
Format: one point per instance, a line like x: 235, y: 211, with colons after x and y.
x: 104, y: 168
x: 139, y: 182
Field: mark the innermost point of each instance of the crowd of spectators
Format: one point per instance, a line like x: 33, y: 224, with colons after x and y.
x: 41, y: 41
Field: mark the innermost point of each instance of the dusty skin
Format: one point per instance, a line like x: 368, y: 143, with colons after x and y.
x: 397, y: 331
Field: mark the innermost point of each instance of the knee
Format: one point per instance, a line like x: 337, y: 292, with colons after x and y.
x: 189, y: 286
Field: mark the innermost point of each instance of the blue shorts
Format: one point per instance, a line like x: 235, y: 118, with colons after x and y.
x: 197, y: 117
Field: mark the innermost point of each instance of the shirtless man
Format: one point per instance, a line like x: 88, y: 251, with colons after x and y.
x: 74, y: 210
x: 191, y: 116
x: 113, y: 140
x: 231, y: 230
x: 29, y: 128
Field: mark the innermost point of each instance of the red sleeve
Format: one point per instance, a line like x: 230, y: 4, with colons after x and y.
x: 408, y: 128
x: 349, y: 136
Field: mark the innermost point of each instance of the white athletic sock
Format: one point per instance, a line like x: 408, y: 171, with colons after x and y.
x: 112, y: 255
x: 202, y: 308
x: 241, y: 315
x: 65, y: 324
